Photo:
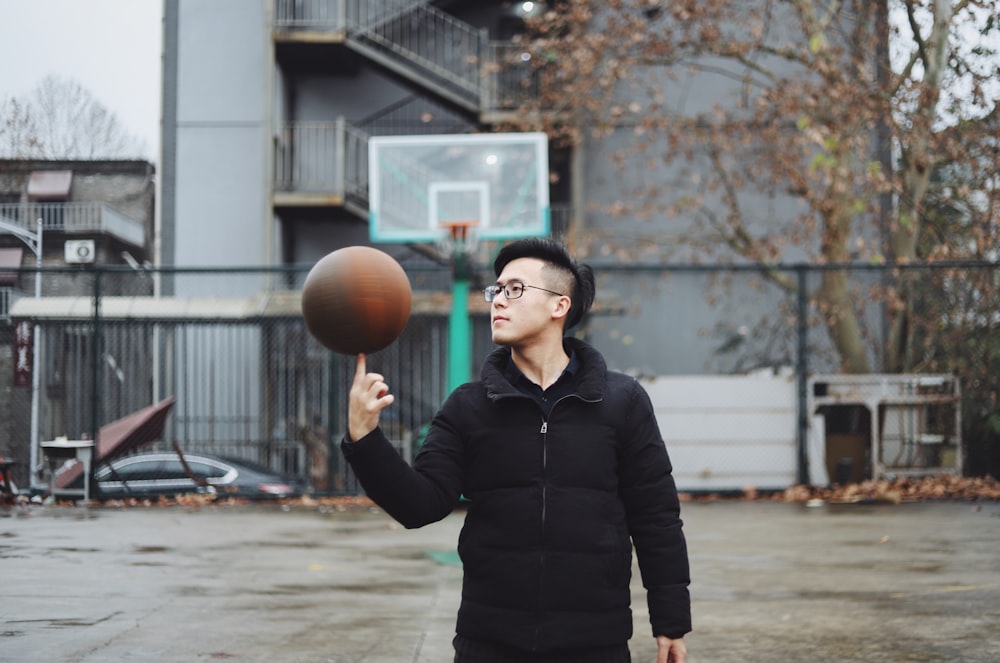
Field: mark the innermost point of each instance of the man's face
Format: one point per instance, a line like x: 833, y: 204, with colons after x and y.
x: 517, y: 322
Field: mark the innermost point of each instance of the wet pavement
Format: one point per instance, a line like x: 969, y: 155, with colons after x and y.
x: 772, y: 582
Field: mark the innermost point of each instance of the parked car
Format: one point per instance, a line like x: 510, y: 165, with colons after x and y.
x: 161, y: 473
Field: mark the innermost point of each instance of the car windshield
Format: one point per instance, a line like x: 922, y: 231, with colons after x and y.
x: 129, y: 470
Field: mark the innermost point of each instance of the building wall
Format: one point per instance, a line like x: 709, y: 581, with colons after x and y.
x: 126, y: 186
x: 629, y: 187
x: 323, y: 98
x: 129, y: 187
x: 219, y: 213
x: 232, y: 96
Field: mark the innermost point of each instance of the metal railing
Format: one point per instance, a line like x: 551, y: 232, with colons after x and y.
x: 331, y: 159
x: 431, y: 39
x: 75, y: 218
x: 321, y: 14
x: 322, y: 157
x: 339, y: 14
x: 416, y: 38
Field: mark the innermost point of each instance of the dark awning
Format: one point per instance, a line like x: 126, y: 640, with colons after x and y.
x: 10, y: 259
x: 124, y: 436
x: 50, y: 184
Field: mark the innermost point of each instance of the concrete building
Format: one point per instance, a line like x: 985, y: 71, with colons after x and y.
x: 65, y: 216
x: 268, y: 107
x: 89, y: 212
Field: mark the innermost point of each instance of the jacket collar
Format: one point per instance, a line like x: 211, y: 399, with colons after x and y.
x: 590, y: 378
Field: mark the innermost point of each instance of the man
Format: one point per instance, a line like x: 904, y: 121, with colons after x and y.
x: 564, y: 468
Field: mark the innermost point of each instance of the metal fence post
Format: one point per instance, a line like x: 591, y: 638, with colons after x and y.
x: 334, y: 426
x: 95, y: 396
x: 802, y: 370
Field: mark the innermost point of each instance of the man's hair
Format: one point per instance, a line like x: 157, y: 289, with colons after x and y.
x: 579, y: 277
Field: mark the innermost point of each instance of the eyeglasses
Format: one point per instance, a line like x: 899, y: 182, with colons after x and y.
x: 512, y: 290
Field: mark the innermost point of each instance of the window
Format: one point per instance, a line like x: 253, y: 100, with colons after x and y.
x: 135, y: 471
x: 10, y: 259
x: 205, y: 470
x: 172, y: 469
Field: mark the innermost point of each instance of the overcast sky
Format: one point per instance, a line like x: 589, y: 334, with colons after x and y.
x: 111, y: 47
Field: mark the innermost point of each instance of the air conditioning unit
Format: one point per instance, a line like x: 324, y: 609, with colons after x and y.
x: 80, y: 251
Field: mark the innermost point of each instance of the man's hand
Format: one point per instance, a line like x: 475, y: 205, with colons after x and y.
x: 670, y: 651
x: 369, y: 396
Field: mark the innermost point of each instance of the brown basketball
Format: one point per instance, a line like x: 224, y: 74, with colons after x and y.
x: 356, y: 299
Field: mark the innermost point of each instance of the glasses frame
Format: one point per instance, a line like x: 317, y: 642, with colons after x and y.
x: 490, y: 292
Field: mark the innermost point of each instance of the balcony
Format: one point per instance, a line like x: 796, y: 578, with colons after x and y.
x: 415, y: 40
x: 75, y: 219
x: 321, y: 164
x: 325, y: 164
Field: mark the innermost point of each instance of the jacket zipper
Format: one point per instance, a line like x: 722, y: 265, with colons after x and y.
x: 544, y: 430
x: 541, y: 550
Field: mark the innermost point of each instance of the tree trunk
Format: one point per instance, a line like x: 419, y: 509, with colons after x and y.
x: 918, y: 163
x: 842, y: 321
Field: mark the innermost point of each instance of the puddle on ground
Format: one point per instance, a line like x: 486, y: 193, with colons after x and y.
x: 66, y: 622
x: 149, y: 550
x: 284, y: 543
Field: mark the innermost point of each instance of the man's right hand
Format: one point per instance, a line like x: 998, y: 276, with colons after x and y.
x: 369, y: 396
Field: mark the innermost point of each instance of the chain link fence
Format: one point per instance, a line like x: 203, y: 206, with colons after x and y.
x: 249, y: 382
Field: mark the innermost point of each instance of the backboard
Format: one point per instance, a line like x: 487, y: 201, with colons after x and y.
x: 419, y: 185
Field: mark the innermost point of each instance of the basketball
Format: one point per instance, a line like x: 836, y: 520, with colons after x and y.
x: 356, y: 300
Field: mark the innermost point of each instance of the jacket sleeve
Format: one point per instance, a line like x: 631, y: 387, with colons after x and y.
x: 414, y: 496
x: 653, y: 511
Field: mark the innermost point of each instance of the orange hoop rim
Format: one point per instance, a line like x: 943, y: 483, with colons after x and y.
x: 460, y: 238
x: 459, y: 228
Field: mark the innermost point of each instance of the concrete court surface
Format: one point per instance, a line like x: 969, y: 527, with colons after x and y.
x: 771, y: 582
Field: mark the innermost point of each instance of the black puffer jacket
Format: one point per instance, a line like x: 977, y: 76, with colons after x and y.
x: 546, y: 547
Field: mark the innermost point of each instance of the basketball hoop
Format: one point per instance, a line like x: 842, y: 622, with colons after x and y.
x: 459, y: 238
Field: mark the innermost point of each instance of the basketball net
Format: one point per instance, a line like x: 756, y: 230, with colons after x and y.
x: 459, y: 238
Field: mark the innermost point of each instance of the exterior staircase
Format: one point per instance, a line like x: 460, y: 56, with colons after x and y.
x: 420, y: 43
x: 463, y: 73
x: 427, y: 46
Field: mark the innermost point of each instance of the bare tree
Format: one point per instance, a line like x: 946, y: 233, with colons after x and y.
x: 18, y: 135
x: 60, y: 119
x: 839, y: 109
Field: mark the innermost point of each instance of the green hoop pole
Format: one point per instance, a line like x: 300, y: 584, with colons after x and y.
x: 459, y: 333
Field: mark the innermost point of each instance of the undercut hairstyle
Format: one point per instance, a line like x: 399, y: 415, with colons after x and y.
x: 567, y: 275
